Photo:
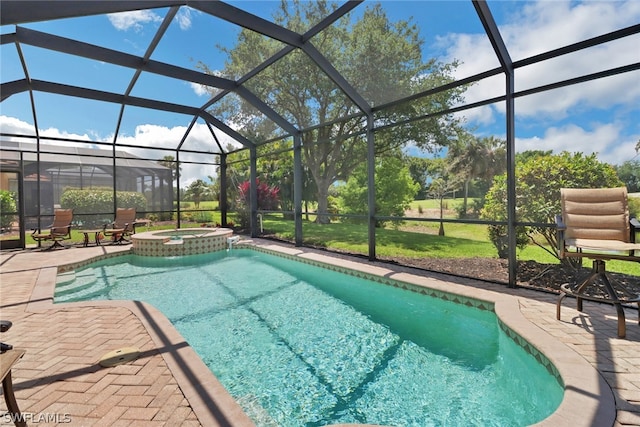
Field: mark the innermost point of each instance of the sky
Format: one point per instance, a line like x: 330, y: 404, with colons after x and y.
x: 601, y: 116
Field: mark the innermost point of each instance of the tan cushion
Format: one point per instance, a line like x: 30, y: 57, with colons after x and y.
x: 596, y: 213
x: 602, y: 245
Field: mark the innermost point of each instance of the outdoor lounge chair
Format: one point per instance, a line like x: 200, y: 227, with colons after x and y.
x: 595, y: 224
x: 122, y: 227
x: 58, y: 231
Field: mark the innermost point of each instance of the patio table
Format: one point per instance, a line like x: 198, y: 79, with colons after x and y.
x: 96, y: 236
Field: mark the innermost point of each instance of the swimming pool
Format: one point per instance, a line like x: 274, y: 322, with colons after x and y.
x: 300, y: 345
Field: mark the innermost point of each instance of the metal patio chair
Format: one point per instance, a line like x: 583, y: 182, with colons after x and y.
x: 122, y: 227
x: 595, y: 224
x: 58, y: 231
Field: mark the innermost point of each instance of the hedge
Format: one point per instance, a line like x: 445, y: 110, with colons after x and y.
x: 94, y: 205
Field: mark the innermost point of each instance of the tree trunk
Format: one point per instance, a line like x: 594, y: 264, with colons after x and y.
x: 323, y: 202
x: 441, y: 230
x: 466, y: 195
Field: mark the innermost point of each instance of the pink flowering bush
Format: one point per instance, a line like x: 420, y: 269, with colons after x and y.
x: 268, y: 199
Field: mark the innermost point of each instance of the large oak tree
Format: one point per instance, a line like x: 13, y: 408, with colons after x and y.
x: 381, y: 59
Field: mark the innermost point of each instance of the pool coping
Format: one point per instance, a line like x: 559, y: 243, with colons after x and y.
x: 588, y: 399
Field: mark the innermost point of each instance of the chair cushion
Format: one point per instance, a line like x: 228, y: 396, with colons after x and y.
x: 596, y: 214
x: 602, y: 245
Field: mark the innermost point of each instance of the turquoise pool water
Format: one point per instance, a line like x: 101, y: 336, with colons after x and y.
x: 301, y: 345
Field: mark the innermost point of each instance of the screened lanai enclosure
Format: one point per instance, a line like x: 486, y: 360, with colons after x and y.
x: 402, y: 131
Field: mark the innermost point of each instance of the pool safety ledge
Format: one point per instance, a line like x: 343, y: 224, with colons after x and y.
x: 588, y: 399
x: 182, y: 241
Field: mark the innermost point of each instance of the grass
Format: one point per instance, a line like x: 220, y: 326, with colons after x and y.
x: 460, y: 241
x: 410, y: 239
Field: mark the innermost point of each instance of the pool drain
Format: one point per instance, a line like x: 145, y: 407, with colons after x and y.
x: 119, y: 357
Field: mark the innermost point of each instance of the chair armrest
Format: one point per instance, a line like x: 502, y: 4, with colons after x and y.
x: 635, y: 227
x: 560, y: 229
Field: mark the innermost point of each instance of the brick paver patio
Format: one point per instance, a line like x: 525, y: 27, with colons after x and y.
x: 60, y: 377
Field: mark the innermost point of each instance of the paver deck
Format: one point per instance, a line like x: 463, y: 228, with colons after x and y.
x: 59, y: 380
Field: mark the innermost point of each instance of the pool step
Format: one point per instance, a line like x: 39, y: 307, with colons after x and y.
x: 174, y: 241
x: 252, y: 407
x: 84, y: 294
x: 76, y: 284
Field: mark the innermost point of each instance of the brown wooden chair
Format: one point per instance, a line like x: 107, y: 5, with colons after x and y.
x: 9, y: 357
x: 58, y: 231
x: 122, y: 227
x: 595, y: 224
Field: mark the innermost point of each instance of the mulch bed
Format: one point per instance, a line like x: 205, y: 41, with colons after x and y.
x: 532, y: 274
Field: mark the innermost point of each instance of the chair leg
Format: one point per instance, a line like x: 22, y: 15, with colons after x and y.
x: 622, y: 326
x: 56, y: 244
x: 559, y: 305
x: 599, y: 271
x: 588, y: 280
x: 10, y: 400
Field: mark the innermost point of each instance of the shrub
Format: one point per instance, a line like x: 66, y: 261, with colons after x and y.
x: 7, y: 204
x: 94, y: 206
x: 634, y: 206
x: 268, y: 199
x: 539, y: 179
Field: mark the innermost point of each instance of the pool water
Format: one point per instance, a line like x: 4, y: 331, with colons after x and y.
x: 300, y: 345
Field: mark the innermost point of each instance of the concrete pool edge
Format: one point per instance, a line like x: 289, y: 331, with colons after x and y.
x: 588, y: 399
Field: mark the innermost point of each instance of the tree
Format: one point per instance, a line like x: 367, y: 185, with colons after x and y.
x: 419, y: 170
x: 197, y: 191
x: 444, y: 182
x: 8, y: 207
x: 395, y: 189
x: 366, y: 53
x: 476, y: 158
x: 170, y: 162
x: 629, y: 173
x: 539, y: 179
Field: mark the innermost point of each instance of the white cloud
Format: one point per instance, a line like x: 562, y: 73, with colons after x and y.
x: 544, y: 25
x: 16, y: 126
x: 147, y: 137
x: 183, y: 17
x: 124, y: 21
x: 198, y: 89
x: 604, y: 139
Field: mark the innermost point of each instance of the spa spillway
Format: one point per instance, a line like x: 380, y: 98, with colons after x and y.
x: 182, y: 241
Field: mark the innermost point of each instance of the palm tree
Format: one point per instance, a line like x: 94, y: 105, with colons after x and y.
x: 476, y: 158
x: 197, y: 191
x: 170, y: 162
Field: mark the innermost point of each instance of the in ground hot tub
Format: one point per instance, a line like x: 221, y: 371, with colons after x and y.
x: 182, y: 241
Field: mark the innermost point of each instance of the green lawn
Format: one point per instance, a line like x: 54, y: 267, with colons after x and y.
x: 460, y: 241
x: 411, y: 239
